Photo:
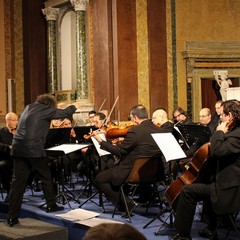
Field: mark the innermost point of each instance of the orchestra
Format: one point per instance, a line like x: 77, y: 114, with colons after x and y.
x: 121, y: 141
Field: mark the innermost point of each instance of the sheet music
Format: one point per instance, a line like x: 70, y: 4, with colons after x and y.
x: 100, y: 151
x: 169, y: 146
x: 78, y: 215
x: 68, y: 148
x: 96, y: 221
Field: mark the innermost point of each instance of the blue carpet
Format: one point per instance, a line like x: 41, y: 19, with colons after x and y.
x: 32, y: 201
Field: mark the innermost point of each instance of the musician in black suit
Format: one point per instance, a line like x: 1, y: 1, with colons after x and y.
x: 138, y: 142
x: 223, y: 194
x: 6, y: 163
x: 180, y: 116
x: 28, y: 152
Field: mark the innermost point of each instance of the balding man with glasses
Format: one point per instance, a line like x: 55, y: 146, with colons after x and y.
x: 205, y: 119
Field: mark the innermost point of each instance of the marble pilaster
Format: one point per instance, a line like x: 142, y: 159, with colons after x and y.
x: 82, y: 84
x: 51, y: 15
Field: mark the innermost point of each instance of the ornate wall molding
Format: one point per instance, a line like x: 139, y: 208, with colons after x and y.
x: 202, y: 58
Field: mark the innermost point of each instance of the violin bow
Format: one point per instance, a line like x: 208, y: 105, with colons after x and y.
x: 113, y: 107
x: 111, y: 110
x: 102, y: 105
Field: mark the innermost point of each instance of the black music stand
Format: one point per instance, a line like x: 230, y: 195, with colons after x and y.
x: 83, y: 130
x: 164, y: 140
x: 80, y: 131
x: 57, y: 136
x: 195, y: 134
x: 58, y: 152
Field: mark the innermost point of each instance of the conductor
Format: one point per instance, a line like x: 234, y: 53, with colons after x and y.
x: 28, y: 152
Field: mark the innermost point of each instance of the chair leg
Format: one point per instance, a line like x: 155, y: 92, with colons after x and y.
x: 170, y: 217
x: 101, y: 204
x: 122, y: 195
x: 232, y: 219
x: 118, y: 200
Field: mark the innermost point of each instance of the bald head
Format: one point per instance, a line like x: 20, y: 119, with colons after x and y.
x: 205, y: 116
x: 11, y: 120
x: 159, y: 117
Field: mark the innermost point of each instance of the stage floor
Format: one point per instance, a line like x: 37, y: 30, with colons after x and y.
x: 32, y: 200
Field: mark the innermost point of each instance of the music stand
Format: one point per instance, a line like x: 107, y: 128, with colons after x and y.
x: 59, y: 152
x: 57, y: 136
x: 195, y: 134
x: 80, y: 131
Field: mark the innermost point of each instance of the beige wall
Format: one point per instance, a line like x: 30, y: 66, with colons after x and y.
x: 203, y: 20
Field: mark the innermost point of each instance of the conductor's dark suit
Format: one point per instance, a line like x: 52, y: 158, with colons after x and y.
x: 28, y: 151
x: 138, y: 142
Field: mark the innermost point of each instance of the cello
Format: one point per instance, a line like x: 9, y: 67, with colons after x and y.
x: 199, y: 169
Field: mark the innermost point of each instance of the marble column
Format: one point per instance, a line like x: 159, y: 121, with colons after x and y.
x: 82, y: 84
x: 51, y: 16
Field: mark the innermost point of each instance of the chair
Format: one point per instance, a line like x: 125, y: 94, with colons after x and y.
x: 231, y: 218
x: 145, y: 170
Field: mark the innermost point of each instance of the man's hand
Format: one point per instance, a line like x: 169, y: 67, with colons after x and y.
x: 222, y: 127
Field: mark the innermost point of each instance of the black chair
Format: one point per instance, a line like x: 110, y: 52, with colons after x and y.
x: 145, y: 170
x: 231, y: 220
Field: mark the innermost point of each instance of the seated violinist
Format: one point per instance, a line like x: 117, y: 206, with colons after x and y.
x: 137, y: 142
x: 90, y: 120
x: 6, y: 137
x: 91, y: 160
x: 222, y: 193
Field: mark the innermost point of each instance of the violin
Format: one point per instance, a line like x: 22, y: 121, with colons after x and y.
x: 118, y: 131
x: 91, y: 134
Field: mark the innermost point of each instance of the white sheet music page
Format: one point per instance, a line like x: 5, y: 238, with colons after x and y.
x: 169, y: 146
x: 100, y: 151
x: 68, y: 148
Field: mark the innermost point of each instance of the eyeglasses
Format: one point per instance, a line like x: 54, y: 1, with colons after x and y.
x: 203, y: 116
x: 178, y: 115
x: 13, y: 120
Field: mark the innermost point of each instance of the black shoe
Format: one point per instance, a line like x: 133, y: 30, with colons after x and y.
x: 12, y: 221
x: 207, y: 233
x: 54, y: 208
x: 178, y: 237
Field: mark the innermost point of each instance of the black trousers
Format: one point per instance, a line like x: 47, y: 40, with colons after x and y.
x: 103, y: 182
x: 6, y: 173
x: 21, y: 171
x: 189, y: 197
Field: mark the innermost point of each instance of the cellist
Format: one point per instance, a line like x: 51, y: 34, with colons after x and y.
x: 222, y: 194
